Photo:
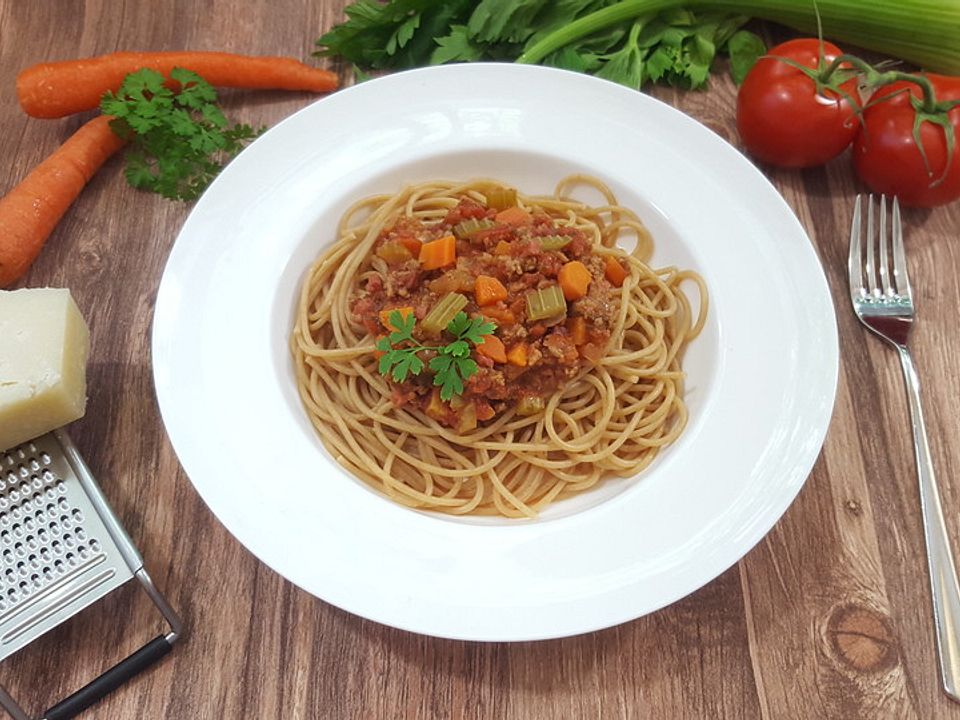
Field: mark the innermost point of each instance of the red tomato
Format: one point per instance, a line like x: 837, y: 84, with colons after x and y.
x: 887, y: 158
x: 783, y: 120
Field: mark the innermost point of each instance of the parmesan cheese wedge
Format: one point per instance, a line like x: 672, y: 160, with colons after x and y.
x: 44, y: 344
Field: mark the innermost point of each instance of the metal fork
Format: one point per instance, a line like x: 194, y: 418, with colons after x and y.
x: 882, y: 300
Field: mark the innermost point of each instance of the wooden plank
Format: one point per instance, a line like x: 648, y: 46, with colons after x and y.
x: 827, y: 618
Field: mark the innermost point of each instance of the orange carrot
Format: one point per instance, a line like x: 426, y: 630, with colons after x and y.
x: 514, y: 216
x: 51, y: 90
x: 438, y: 253
x: 591, y: 352
x: 485, y: 411
x: 614, y: 271
x: 32, y: 209
x: 574, y: 279
x: 500, y: 315
x: 518, y: 355
x: 488, y: 290
x: 385, y: 316
x: 502, y: 248
x: 493, y: 348
x: 411, y: 244
x: 577, y: 327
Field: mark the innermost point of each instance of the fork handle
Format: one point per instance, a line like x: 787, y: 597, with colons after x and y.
x: 944, y: 588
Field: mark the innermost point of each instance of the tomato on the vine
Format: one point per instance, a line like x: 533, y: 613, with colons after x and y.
x: 885, y: 152
x: 786, y: 117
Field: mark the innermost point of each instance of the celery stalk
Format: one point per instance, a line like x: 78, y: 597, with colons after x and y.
x: 443, y: 312
x: 555, y: 242
x: 545, y: 303
x: 924, y: 32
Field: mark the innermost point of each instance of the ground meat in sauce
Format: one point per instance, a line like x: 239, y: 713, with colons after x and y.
x: 514, y: 255
x: 403, y: 279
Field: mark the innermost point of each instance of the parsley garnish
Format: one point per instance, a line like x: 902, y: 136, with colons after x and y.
x: 452, y: 365
x: 179, y: 141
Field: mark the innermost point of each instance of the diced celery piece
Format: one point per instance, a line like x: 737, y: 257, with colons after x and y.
x: 555, y: 242
x: 394, y: 253
x: 467, y: 418
x: 436, y: 408
x: 530, y: 405
x: 546, y: 303
x: 501, y: 198
x: 464, y: 230
x: 443, y: 312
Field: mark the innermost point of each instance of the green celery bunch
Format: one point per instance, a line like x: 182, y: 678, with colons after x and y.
x: 632, y: 41
x: 673, y: 46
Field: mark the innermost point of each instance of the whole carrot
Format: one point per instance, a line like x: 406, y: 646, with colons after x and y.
x: 32, y: 209
x: 56, y: 89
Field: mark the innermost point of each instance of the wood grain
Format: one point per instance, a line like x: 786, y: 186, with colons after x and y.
x: 828, y: 617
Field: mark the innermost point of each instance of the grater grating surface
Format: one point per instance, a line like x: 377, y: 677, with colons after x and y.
x: 61, y: 549
x: 56, y: 554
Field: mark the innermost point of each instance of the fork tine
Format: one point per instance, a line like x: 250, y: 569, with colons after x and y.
x: 884, y: 254
x: 854, y: 268
x: 871, y: 266
x: 900, y: 276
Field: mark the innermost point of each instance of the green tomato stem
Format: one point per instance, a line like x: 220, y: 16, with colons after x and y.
x: 876, y: 79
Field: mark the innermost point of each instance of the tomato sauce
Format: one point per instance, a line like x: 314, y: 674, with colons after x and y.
x: 543, y: 353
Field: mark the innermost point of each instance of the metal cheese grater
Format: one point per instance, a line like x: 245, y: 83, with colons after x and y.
x: 62, y: 549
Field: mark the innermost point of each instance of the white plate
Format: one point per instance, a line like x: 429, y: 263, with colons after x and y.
x: 761, y: 385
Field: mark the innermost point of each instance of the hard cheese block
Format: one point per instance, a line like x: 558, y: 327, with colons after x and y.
x: 44, y: 344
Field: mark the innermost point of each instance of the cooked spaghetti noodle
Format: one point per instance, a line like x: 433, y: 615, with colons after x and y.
x: 615, y: 408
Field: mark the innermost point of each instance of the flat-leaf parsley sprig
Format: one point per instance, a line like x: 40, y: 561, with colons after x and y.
x: 179, y: 141
x: 452, y: 365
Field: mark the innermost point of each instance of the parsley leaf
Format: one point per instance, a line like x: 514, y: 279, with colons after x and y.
x: 179, y: 141
x: 446, y: 376
x: 450, y: 373
x: 466, y: 366
x: 452, y: 365
x: 458, y: 348
x: 463, y: 327
x: 407, y: 362
x: 403, y: 325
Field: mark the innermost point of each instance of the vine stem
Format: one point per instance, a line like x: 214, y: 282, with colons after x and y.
x: 877, y: 79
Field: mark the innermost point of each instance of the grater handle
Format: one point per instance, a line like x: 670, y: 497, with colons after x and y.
x: 113, y: 678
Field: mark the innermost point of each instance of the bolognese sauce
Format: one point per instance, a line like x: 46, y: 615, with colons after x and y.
x: 550, y: 296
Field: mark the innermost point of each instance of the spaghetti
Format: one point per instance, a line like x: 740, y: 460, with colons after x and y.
x: 606, y: 407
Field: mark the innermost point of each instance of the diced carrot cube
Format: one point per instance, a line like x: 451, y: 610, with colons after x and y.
x: 514, y: 216
x: 500, y: 315
x: 438, y: 253
x: 518, y: 355
x: 574, y: 279
x: 411, y: 244
x: 492, y: 347
x: 488, y: 290
x: 577, y: 327
x: 614, y: 271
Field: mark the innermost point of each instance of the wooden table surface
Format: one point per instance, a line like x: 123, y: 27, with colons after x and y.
x: 827, y: 617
